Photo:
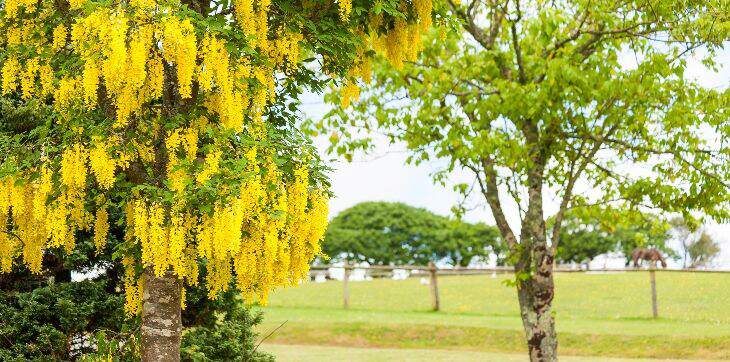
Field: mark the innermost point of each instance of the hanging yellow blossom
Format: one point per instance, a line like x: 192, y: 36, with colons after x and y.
x: 345, y: 9
x: 60, y: 33
x: 102, y: 165
x: 10, y: 72
x: 101, y: 229
x: 150, y: 105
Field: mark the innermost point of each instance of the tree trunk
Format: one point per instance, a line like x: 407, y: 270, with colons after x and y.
x: 161, y: 321
x: 536, y: 293
x: 535, y: 297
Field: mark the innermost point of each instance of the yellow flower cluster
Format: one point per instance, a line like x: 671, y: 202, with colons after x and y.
x: 133, y: 287
x: 180, y: 49
x: 69, y: 90
x: 32, y: 221
x: 181, y: 107
x: 162, y: 239
x: 126, y: 54
x: 101, y: 229
x: 400, y: 44
x: 102, y: 164
x: 285, y: 50
x: 350, y: 92
x: 124, y: 58
x: 215, y: 71
x: 13, y: 6
x: 240, y: 236
x: 60, y: 33
x: 10, y: 71
x: 253, y: 19
x: 211, y: 166
x: 187, y: 140
x: 90, y: 80
x: 75, y: 4
x: 423, y: 8
x: 143, y: 4
x: 14, y: 36
x: 39, y: 223
x: 345, y: 7
x: 68, y: 214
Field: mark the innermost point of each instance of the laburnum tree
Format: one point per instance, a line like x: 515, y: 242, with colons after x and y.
x: 585, y: 100
x: 181, y: 118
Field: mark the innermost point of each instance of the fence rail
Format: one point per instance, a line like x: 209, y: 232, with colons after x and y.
x: 432, y: 271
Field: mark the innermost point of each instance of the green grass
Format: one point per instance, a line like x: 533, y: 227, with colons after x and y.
x: 304, y: 353
x: 596, y: 314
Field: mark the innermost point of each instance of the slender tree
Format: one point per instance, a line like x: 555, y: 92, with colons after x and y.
x: 683, y: 231
x: 179, y: 116
x: 587, y: 100
x: 697, y: 246
x: 703, y: 250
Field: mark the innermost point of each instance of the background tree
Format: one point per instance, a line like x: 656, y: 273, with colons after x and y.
x: 393, y: 233
x: 591, y: 231
x: 462, y: 243
x: 566, y: 98
x: 177, y: 120
x: 697, y: 246
x: 581, y: 240
x: 643, y: 231
x: 703, y: 250
x: 683, y: 231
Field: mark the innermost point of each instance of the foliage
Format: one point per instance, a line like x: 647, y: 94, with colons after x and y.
x: 382, y: 233
x: 41, y: 324
x: 463, y: 242
x: 230, y: 339
x: 697, y: 246
x: 535, y: 97
x: 395, y: 233
x: 591, y: 231
x: 538, y: 96
x: 581, y: 242
x: 703, y: 250
x: 177, y: 120
x: 52, y: 310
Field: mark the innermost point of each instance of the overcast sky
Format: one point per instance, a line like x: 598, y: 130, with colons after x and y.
x: 384, y: 175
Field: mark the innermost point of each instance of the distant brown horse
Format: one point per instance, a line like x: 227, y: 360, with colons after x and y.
x: 650, y: 255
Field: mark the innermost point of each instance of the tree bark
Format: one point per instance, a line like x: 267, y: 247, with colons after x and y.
x: 536, y: 259
x: 161, y: 320
x: 536, y: 293
x: 535, y: 297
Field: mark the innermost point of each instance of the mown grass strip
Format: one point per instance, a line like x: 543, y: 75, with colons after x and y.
x: 361, y: 334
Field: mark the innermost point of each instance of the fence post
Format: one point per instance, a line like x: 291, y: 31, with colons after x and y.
x: 435, y: 303
x: 346, y: 287
x: 652, y: 279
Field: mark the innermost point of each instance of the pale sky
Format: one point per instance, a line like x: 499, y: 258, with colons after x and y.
x: 384, y: 175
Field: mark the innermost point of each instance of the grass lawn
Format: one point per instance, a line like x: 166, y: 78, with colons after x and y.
x: 597, y: 315
x: 306, y: 353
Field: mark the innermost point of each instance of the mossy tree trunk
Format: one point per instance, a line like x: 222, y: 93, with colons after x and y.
x: 535, y: 298
x: 534, y: 266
